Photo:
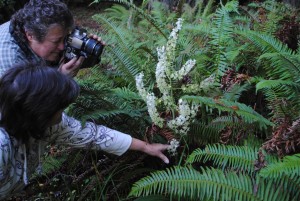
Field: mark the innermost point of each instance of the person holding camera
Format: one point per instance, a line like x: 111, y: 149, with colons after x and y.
x: 33, y: 97
x: 37, y: 33
x: 32, y: 100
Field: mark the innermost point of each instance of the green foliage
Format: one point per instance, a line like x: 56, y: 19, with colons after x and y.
x: 235, y: 180
x: 186, y: 183
x: 246, y: 82
x: 234, y: 157
x: 289, y: 166
x: 51, y: 163
x: 221, y: 34
x: 247, y: 114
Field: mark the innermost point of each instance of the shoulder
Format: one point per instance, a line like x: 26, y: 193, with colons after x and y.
x: 4, y: 27
x: 5, y: 36
x: 10, y: 51
x: 4, y: 138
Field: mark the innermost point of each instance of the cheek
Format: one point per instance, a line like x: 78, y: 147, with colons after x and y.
x: 47, y: 49
x: 44, y: 50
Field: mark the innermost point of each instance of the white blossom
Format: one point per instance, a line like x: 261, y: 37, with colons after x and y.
x: 174, y: 144
x: 140, y: 86
x: 164, y: 74
x: 164, y: 66
x: 185, y: 69
x: 160, y: 75
x: 207, y: 83
x: 152, y: 110
x: 186, y: 114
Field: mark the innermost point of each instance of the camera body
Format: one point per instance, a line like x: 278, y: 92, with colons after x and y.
x: 79, y: 44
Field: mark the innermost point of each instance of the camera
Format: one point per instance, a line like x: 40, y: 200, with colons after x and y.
x: 79, y: 44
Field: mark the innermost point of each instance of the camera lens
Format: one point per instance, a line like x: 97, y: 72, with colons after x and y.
x: 93, y: 47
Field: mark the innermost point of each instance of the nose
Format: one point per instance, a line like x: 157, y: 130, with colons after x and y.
x: 61, y: 46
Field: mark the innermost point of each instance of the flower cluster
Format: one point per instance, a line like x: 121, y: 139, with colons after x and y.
x: 174, y: 144
x: 171, y: 46
x: 205, y: 86
x: 165, y: 73
x: 186, y: 68
x: 186, y: 114
x: 160, y: 75
x: 140, y: 86
x: 207, y: 83
x: 150, y: 99
x: 151, y: 104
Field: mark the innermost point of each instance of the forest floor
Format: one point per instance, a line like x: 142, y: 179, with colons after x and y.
x: 83, y: 17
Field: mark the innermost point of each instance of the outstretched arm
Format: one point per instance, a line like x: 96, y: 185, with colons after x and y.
x: 150, y: 149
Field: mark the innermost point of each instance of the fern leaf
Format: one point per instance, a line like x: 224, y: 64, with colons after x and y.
x: 210, y: 184
x: 265, y: 43
x: 290, y: 166
x: 238, y: 157
x: 245, y: 112
x: 151, y: 20
x: 274, y: 83
x: 202, y: 134
x: 221, y: 34
x: 126, y: 94
x: 283, y: 65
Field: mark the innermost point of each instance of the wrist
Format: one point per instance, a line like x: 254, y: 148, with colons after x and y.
x: 146, y: 147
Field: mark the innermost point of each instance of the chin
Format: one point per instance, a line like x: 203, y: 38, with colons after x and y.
x: 54, y: 58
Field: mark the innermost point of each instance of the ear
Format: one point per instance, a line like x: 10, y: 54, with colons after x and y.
x: 29, y: 36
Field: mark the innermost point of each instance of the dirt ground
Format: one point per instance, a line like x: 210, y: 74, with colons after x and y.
x: 83, y: 16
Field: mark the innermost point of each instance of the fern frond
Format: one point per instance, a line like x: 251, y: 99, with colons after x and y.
x: 240, y: 158
x: 264, y: 42
x: 111, y: 25
x: 150, y: 19
x: 208, y: 8
x: 282, y: 97
x: 283, y: 65
x: 235, y: 92
x: 52, y: 163
x: 222, y: 121
x: 221, y: 34
x: 285, y: 174
x: 289, y: 166
x: 210, y: 184
x: 116, y: 11
x: 126, y: 94
x: 102, y: 114
x: 275, y: 84
x: 202, y: 134
x: 244, y: 111
x: 128, y: 67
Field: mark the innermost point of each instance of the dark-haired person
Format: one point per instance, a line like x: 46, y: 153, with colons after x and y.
x: 32, y: 100
x: 37, y: 33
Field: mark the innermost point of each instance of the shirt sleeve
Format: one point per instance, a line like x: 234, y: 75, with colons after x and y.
x: 72, y: 132
x: 5, y: 158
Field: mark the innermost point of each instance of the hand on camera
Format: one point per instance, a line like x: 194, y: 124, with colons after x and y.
x: 99, y: 39
x: 72, y: 67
